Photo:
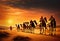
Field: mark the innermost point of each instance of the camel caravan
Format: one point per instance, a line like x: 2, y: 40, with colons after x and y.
x: 43, y: 25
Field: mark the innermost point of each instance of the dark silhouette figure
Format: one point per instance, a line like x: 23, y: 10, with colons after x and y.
x: 45, y: 19
x: 32, y: 26
x: 27, y: 24
x: 24, y: 26
x: 18, y: 27
x: 10, y: 27
x: 52, y: 25
x: 42, y: 25
x: 21, y: 25
x: 35, y: 22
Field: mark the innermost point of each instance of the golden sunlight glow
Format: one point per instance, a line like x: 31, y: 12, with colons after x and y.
x: 10, y: 21
x: 21, y: 15
x: 17, y: 13
x: 48, y: 22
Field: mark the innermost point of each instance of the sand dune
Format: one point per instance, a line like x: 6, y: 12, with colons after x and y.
x: 14, y: 35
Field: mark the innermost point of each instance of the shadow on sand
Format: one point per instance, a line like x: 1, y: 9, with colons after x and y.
x: 56, y: 36
x: 21, y: 38
x: 4, y: 34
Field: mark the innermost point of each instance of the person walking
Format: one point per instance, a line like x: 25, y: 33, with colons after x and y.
x: 52, y: 26
x: 45, y: 26
x: 24, y: 27
x: 42, y: 25
x: 11, y: 28
x: 32, y: 26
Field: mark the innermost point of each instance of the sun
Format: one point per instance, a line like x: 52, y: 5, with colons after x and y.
x: 10, y: 21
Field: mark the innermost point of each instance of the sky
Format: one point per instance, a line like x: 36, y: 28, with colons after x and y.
x: 18, y: 11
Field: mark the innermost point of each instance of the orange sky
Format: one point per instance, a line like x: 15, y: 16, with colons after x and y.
x: 11, y: 16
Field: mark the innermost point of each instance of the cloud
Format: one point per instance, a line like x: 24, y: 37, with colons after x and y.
x: 48, y: 4
x: 32, y: 6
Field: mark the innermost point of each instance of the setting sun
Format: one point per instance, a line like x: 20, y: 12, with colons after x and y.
x: 10, y: 21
